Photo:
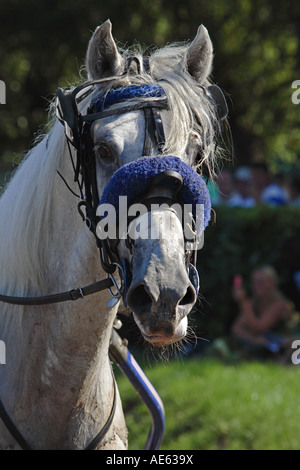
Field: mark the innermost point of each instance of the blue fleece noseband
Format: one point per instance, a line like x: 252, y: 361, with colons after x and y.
x: 120, y: 95
x: 132, y: 179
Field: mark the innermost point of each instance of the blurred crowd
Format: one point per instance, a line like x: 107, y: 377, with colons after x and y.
x: 248, y: 186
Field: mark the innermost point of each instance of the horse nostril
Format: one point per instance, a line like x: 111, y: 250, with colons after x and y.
x: 139, y: 300
x: 189, y: 297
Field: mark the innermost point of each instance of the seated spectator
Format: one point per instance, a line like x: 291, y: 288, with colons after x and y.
x: 243, y: 186
x: 262, y: 317
x: 267, y: 191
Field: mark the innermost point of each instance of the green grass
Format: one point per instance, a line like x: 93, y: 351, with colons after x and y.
x: 212, y: 405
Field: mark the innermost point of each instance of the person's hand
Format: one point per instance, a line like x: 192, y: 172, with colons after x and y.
x: 238, y: 292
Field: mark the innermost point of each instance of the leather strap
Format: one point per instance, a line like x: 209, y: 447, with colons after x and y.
x: 149, y: 133
x: 147, y: 103
x: 12, y: 428
x: 93, y: 445
x: 73, y: 294
x: 24, y: 444
x: 159, y: 129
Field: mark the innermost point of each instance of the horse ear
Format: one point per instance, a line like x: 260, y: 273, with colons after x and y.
x: 199, y: 55
x: 102, y: 57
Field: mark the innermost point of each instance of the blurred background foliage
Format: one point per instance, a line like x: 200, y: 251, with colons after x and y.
x: 256, y: 44
x: 240, y: 241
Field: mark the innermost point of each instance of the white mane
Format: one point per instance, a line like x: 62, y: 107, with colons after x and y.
x: 25, y: 207
x: 192, y: 111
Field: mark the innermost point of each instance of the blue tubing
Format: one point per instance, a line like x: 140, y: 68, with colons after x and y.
x: 136, y: 376
x: 150, y: 397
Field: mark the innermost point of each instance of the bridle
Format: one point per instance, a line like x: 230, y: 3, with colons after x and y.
x: 78, y: 135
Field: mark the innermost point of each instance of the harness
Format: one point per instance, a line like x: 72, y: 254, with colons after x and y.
x: 151, y: 99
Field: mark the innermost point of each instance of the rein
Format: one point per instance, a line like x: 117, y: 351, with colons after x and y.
x: 73, y: 294
x: 91, y: 446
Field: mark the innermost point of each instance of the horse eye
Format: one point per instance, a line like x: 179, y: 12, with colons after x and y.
x: 104, y: 153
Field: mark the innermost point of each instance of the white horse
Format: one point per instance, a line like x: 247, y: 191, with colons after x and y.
x: 57, y: 385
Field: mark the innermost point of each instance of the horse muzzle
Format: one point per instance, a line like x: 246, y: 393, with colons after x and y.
x: 162, y: 291
x: 161, y: 284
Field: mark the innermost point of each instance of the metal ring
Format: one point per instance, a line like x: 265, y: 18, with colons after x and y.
x: 89, y: 224
x: 120, y: 289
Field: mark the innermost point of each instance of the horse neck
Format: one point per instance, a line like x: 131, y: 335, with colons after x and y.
x: 57, y: 371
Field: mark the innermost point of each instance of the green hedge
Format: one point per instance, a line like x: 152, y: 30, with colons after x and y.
x: 241, y: 240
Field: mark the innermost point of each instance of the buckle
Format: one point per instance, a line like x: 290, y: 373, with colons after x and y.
x: 119, y: 290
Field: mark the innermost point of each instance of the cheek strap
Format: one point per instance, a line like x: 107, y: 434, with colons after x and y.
x: 194, y: 277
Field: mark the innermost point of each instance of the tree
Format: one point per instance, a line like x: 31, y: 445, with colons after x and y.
x: 256, y: 46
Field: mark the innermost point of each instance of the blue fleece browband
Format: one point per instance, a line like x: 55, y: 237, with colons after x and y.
x: 119, y: 95
x: 132, y: 179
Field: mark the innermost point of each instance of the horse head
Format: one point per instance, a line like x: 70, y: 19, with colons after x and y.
x: 164, y: 109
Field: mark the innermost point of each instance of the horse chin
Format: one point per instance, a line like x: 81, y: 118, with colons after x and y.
x: 160, y: 338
